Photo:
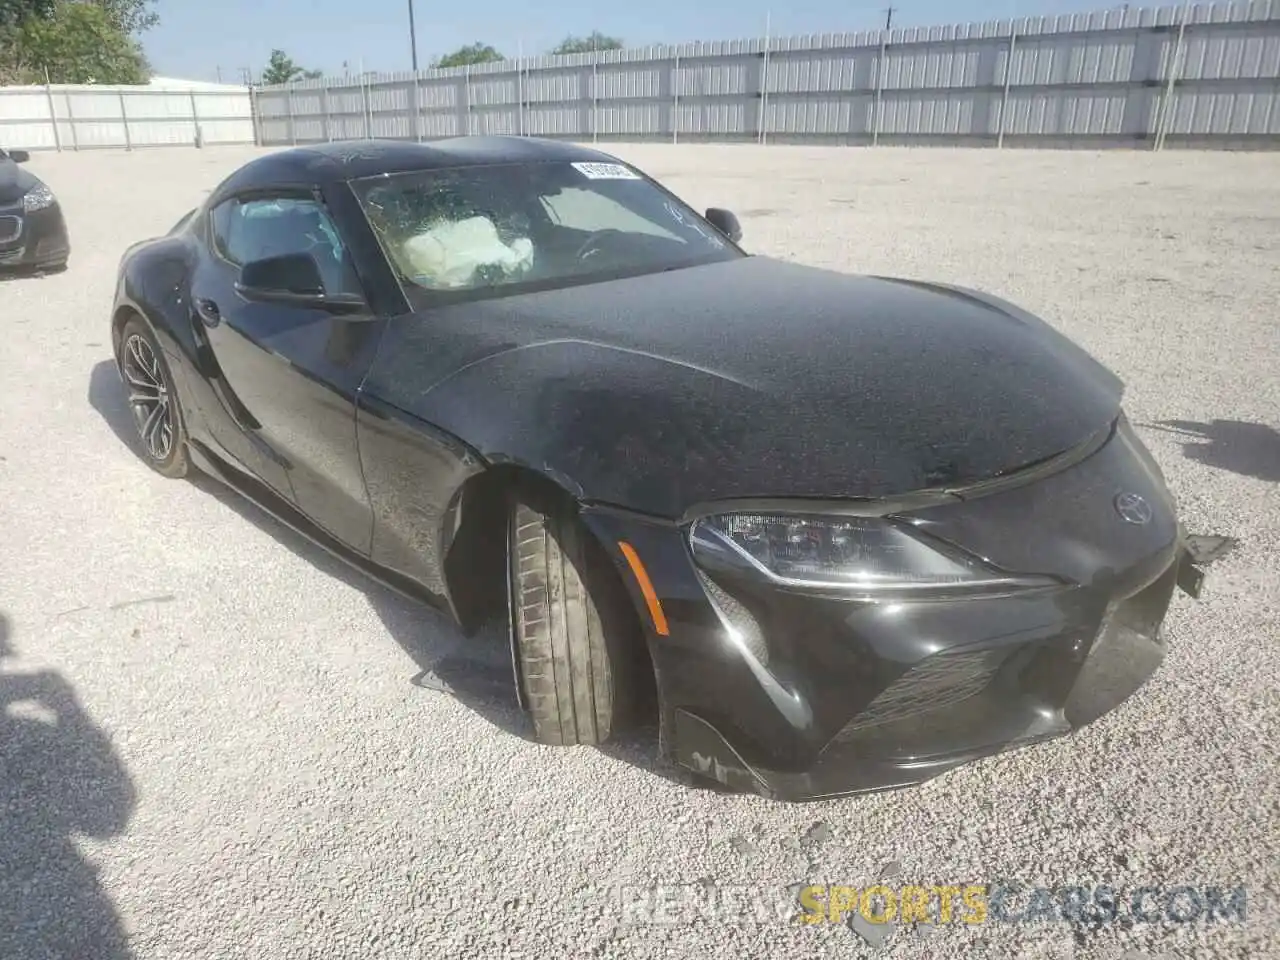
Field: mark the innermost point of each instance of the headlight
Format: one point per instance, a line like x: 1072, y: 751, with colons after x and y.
x: 860, y: 554
x: 37, y: 198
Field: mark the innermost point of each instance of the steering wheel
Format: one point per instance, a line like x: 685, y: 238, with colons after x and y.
x: 590, y: 245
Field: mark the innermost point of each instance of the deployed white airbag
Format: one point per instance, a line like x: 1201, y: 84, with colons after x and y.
x: 449, y: 254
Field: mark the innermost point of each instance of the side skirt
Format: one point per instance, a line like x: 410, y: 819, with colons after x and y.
x: 267, y: 500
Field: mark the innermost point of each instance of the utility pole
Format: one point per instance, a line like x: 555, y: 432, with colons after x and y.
x: 888, y: 18
x: 413, y: 38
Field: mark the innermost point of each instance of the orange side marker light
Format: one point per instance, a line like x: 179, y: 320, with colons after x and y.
x: 646, y: 588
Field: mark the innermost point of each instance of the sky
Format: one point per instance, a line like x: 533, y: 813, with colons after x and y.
x: 211, y: 40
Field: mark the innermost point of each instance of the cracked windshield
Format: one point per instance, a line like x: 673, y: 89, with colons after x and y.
x: 532, y: 224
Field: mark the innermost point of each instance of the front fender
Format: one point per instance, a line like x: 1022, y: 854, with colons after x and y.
x: 154, y: 282
x: 608, y: 425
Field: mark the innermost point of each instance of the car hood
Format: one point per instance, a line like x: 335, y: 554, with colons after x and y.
x: 750, y: 378
x: 14, y: 181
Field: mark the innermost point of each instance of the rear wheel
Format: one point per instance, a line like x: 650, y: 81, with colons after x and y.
x: 578, y: 643
x: 152, y: 400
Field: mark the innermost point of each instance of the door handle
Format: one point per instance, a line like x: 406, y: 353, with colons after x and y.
x: 208, y: 311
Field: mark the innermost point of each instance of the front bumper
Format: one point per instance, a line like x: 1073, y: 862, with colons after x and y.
x: 832, y: 696
x: 33, y: 240
x: 989, y: 699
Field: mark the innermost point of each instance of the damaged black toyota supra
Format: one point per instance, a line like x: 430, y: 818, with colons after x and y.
x: 836, y: 533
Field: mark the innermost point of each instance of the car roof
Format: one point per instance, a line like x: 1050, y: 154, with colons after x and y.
x: 341, y: 161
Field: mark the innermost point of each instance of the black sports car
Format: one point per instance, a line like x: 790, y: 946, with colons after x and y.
x: 33, y: 233
x: 851, y: 531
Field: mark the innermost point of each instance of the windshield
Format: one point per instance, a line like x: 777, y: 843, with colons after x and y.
x: 490, y: 230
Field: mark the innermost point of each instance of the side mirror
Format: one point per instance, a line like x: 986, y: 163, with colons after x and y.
x: 18, y: 156
x: 725, y: 222
x: 292, y: 278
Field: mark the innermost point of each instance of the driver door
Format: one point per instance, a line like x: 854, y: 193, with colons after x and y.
x: 289, y: 372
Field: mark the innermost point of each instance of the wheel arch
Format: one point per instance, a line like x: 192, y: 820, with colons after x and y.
x: 475, y: 564
x: 123, y: 314
x: 476, y: 536
x: 127, y: 309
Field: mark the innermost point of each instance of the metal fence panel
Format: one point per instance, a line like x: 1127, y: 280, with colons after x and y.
x: 557, y: 86
x: 822, y: 71
x: 1208, y: 72
x: 393, y: 126
x: 490, y: 91
x: 442, y: 125
x: 442, y: 94
x: 81, y: 117
x: 922, y: 67
x: 502, y: 121
x: 711, y: 78
x: 703, y: 118
x: 1252, y: 110
x: 639, y: 118
x: 949, y: 114
x: 559, y: 120
x: 848, y: 116
x: 1242, y: 53
x: 624, y: 83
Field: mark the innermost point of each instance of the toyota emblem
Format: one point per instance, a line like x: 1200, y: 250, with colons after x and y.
x: 1133, y: 509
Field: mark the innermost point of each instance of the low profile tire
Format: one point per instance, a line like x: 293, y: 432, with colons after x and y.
x: 162, y: 439
x: 578, y: 644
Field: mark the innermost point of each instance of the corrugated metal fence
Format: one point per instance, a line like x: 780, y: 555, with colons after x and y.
x: 1205, y: 74
x: 84, y: 117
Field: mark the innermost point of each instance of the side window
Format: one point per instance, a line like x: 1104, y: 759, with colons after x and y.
x: 589, y: 210
x: 244, y: 231
x: 220, y: 228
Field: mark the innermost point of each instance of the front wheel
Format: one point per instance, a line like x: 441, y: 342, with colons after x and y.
x: 152, y: 400
x: 578, y: 643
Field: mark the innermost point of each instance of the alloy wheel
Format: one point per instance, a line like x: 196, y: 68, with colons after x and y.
x: 149, y: 397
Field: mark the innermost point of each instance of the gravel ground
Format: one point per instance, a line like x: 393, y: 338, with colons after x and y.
x: 220, y: 752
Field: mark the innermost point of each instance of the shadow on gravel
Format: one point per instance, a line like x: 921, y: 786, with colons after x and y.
x: 15, y: 274
x: 59, y: 777
x: 476, y: 670
x: 1249, y: 449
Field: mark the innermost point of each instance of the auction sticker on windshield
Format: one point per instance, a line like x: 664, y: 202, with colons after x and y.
x: 605, y: 171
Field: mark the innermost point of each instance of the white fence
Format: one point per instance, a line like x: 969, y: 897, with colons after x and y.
x: 67, y: 117
x: 1197, y: 74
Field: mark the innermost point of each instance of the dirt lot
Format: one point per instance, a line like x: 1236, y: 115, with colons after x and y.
x: 241, y: 767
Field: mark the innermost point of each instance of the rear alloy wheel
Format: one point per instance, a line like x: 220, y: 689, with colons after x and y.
x: 152, y: 400
x: 578, y: 644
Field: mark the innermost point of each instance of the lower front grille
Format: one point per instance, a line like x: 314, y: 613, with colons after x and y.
x: 936, y: 683
x: 10, y: 228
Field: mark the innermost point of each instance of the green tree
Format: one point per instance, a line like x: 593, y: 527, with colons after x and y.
x: 131, y: 17
x: 79, y: 43
x: 471, y: 54
x: 14, y: 12
x: 596, y: 41
x: 282, y: 69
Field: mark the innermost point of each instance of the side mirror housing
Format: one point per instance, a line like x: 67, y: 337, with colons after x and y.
x: 725, y: 222
x: 292, y: 278
x: 18, y: 156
